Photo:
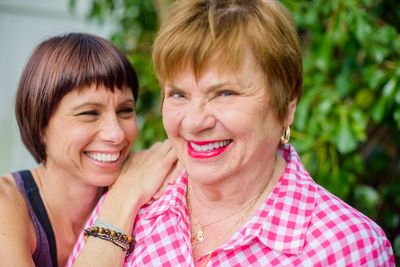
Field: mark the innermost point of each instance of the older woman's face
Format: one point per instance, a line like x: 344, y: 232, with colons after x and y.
x: 90, y: 134
x: 222, y: 125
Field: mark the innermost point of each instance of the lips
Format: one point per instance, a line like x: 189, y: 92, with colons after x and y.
x: 103, y: 157
x: 207, y: 149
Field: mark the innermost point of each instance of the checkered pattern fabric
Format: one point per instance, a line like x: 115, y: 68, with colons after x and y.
x: 299, y: 224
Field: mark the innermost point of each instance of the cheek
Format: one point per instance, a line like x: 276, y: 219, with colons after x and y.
x: 64, y: 142
x: 271, y: 128
x: 171, y: 120
x: 80, y: 135
x: 131, y: 131
x: 169, y: 125
x: 238, y: 121
x: 66, y: 134
x: 251, y: 124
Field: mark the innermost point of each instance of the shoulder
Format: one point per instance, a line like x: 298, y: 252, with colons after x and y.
x: 334, y: 231
x: 343, y: 230
x: 16, y: 227
x: 12, y: 202
x: 332, y: 210
x: 9, y: 190
x: 10, y: 194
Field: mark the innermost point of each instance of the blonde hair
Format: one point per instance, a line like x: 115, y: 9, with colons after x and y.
x: 196, y: 31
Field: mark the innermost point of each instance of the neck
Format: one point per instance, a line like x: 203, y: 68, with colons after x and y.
x: 216, y: 214
x: 68, y: 201
x: 237, y: 189
x: 210, y: 204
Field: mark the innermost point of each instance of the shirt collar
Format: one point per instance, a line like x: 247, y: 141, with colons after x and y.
x: 283, y: 220
x: 173, y: 199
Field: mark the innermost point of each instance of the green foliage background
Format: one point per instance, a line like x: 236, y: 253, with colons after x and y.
x: 347, y: 127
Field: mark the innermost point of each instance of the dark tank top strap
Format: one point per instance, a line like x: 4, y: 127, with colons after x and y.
x: 37, y: 204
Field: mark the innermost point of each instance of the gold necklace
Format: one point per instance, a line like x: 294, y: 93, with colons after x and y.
x: 239, y: 220
x: 198, y: 237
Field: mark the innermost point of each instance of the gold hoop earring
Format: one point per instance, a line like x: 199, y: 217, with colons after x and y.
x: 285, y: 135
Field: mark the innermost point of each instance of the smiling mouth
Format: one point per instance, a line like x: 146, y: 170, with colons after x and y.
x: 209, y: 146
x: 103, y: 157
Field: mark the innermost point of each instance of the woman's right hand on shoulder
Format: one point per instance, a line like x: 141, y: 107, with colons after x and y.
x: 142, y: 176
x: 147, y: 172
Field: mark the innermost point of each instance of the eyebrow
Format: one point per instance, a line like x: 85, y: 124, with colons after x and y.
x: 130, y: 101
x: 208, y: 89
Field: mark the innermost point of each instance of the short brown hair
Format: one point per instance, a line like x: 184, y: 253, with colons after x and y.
x: 58, y: 66
x: 197, y: 30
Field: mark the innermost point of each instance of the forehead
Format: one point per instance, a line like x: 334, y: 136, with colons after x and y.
x: 218, y: 66
x: 220, y: 69
x: 95, y: 93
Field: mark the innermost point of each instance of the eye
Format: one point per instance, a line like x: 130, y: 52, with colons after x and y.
x: 176, y: 94
x: 226, y: 93
x: 88, y: 113
x: 126, y: 112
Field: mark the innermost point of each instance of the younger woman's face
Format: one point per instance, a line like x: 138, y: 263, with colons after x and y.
x: 90, y: 134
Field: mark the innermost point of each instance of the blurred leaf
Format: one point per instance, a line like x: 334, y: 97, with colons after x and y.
x: 378, y: 110
x: 343, y: 83
x: 363, y: 29
x: 364, y: 98
x: 389, y: 87
x: 346, y: 141
x: 396, y: 116
x: 396, y: 246
x: 374, y: 76
x: 367, y: 199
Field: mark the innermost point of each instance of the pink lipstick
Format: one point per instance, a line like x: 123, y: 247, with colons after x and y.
x: 207, y: 149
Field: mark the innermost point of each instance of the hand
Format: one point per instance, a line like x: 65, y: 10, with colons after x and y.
x: 145, y: 172
x: 171, y: 179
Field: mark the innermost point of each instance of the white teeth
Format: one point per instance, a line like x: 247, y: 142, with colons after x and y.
x: 210, y: 146
x: 103, y: 157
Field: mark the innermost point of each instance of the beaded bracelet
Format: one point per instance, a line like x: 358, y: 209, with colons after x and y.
x: 125, y: 242
x: 100, y: 223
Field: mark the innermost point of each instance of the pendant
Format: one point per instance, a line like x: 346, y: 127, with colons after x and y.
x: 197, y: 238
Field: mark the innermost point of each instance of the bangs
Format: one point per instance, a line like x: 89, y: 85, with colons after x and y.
x: 217, y: 39
x: 89, y: 61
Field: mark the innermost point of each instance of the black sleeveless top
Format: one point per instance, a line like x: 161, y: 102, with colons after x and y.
x: 45, y: 254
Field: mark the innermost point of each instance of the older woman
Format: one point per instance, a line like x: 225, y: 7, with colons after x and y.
x: 75, y: 108
x: 231, y: 73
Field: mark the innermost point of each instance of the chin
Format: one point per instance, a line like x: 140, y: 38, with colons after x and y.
x: 104, y: 180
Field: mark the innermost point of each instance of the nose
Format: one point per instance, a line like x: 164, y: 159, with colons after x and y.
x: 199, y: 118
x: 111, y: 130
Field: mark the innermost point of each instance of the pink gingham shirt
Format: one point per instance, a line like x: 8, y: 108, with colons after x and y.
x: 299, y: 224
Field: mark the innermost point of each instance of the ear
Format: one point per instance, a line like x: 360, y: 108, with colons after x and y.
x: 43, y: 136
x: 291, y: 111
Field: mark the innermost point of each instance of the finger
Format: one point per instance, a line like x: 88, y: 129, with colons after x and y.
x: 164, y: 148
x: 158, y: 151
x: 168, y: 166
x: 171, y: 176
x: 156, y: 146
x: 175, y: 172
